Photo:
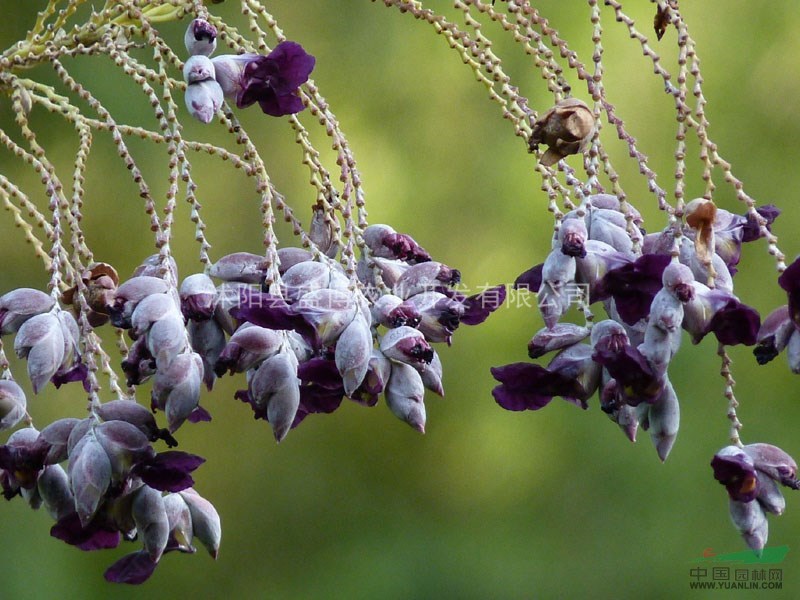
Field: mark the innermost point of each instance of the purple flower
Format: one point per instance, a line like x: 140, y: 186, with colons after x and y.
x: 633, y: 286
x: 735, y: 470
x: 270, y: 80
x: 790, y: 282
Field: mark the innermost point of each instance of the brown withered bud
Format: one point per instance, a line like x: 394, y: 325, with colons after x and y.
x: 101, y: 281
x: 566, y: 129
x: 700, y: 214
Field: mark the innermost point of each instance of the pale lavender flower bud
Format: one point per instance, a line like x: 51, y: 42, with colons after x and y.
x: 404, y: 395
x: 722, y: 276
x: 291, y: 256
x: 275, y: 388
x: 77, y: 431
x: 440, y: 315
x: 17, y: 306
x: 13, y: 404
x: 423, y: 277
x: 129, y: 294
x: 379, y: 370
x: 374, y: 236
x: 176, y: 389
x: 392, y: 311
x: 166, y: 339
x: 323, y: 231
x: 328, y: 312
x: 390, y: 271
x: 299, y: 346
x: 179, y: 519
x: 553, y: 300
x: 198, y: 296
x: 407, y: 345
x: 54, y: 489
x: 200, y: 38
x: 41, y: 341
x: 242, y: 267
x: 385, y: 242
x: 310, y: 276
x: 793, y: 352
x: 664, y: 421
x: 769, y: 494
x: 774, y: 462
x: 134, y: 413
x: 353, y: 352
x: 198, y: 68
x: 751, y: 521
x: 248, y: 346
x: 155, y: 266
x: 205, y: 521
x: 151, y: 520
x: 207, y: 339
x: 572, y: 236
x: 151, y: 309
x: 432, y: 375
x: 609, y: 226
x: 557, y: 338
x: 56, y: 436
x: 204, y: 99
x: 230, y: 72
x: 124, y: 444
x: 90, y: 476
x: 139, y: 365
x: 662, y: 337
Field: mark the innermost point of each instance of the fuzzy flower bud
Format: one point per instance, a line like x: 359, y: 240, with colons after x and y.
x: 13, y: 404
x: 200, y: 38
x: 176, y: 389
x: 204, y: 99
x: 275, y: 389
x: 41, y: 341
x: 426, y: 276
x: 407, y: 345
x: 353, y: 352
x: 150, y: 516
x: 404, y: 395
x: 243, y: 267
x: 198, y: 296
x: 198, y: 68
x: 128, y: 296
x: 17, y: 306
x: 392, y: 311
x: 206, y: 525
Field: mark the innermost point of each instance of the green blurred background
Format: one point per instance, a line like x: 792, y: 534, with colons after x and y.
x: 488, y: 503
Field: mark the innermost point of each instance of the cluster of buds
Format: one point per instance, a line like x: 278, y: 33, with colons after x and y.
x: 751, y: 475
x: 313, y: 340
x: 115, y: 486
x: 652, y: 287
x: 272, y: 80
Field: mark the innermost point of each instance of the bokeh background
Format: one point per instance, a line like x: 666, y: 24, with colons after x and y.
x: 488, y: 503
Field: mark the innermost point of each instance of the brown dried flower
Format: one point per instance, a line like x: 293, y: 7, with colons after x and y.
x: 567, y: 128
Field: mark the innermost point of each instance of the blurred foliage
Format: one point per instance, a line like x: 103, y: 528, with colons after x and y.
x: 488, y: 503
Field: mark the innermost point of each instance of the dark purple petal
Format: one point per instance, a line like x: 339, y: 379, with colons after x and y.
x: 273, y: 80
x: 199, y: 414
x: 132, y: 568
x: 735, y: 323
x: 169, y: 471
x: 404, y: 314
x: 752, y: 231
x: 737, y: 475
x: 527, y: 386
x: 405, y: 248
x: 278, y: 106
x: 530, y: 280
x: 78, y: 372
x: 790, y: 282
x: 636, y: 379
x: 480, y: 306
x: 272, y: 312
x: 633, y: 286
x: 91, y: 537
x: 321, y: 387
x: 244, y: 396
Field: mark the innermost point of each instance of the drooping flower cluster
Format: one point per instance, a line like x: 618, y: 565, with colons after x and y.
x: 272, y: 80
x: 651, y: 291
x: 313, y: 340
x: 751, y: 475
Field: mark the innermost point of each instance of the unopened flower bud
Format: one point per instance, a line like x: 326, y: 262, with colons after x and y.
x: 90, y: 476
x: 328, y: 312
x: 198, y: 296
x: 353, y: 352
x: 432, y: 375
x: 440, y: 315
x: 323, y: 231
x: 379, y: 370
x: 128, y: 296
x: 176, y: 389
x: 54, y: 489
x: 275, y: 389
x: 242, y: 267
x: 204, y: 99
x: 561, y: 336
x: 166, y: 339
x: 200, y: 38
x: 13, y: 405
x: 290, y: 256
x: 198, y: 68
x: 567, y: 128
x: 385, y: 242
x: 407, y: 345
x: 426, y: 276
x: 309, y: 276
x: 205, y: 521
x: 404, y: 395
x: 41, y: 341
x: 774, y: 462
x: 134, y: 413
x: 392, y: 311
x: 773, y: 335
x: 207, y: 339
x: 179, y: 519
x: 17, y: 306
x: 150, y: 516
x: 751, y: 521
x: 573, y: 235
x: 151, y: 309
x: 769, y: 494
x: 664, y: 418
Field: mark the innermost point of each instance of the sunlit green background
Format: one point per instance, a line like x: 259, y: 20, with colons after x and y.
x: 487, y: 504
